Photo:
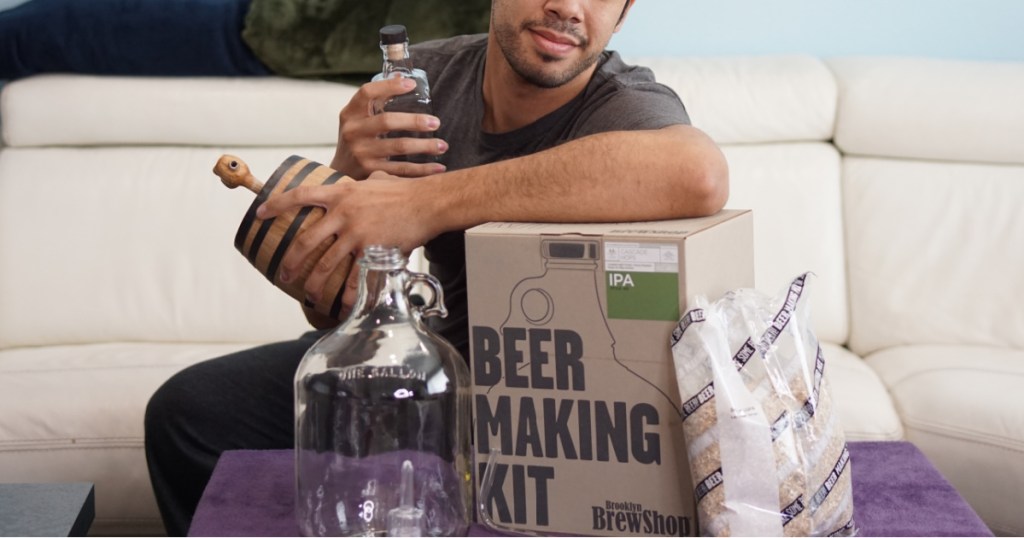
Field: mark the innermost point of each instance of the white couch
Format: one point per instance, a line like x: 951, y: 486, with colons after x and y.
x: 896, y: 181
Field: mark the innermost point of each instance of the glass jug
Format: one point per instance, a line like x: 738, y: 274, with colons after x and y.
x: 382, y: 416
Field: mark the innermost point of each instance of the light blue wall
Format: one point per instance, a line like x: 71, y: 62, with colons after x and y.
x: 965, y: 29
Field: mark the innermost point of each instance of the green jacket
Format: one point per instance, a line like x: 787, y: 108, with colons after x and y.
x: 339, y: 38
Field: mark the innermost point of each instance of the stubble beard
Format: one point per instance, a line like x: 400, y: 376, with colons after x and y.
x: 517, y: 57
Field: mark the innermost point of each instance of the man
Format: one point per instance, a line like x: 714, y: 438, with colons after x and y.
x: 535, y: 122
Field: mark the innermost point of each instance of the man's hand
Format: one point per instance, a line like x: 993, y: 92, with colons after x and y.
x: 320, y: 321
x: 383, y: 210
x: 362, y: 148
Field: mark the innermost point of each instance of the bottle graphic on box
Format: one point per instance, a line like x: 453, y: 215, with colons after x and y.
x: 566, y: 298
x: 570, y: 276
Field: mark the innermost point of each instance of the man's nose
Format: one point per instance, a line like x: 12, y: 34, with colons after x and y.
x: 567, y: 10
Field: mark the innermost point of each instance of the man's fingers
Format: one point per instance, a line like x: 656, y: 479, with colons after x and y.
x: 350, y: 290
x: 329, y: 263
x: 381, y: 90
x: 407, y: 169
x: 407, y: 121
x: 407, y: 145
x: 301, y: 196
x: 305, y: 243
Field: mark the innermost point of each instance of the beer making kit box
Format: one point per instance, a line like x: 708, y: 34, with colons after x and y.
x: 574, y: 383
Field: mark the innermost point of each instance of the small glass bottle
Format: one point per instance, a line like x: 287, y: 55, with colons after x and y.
x: 382, y: 416
x: 394, y: 42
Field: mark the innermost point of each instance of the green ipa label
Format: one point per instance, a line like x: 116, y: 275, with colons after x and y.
x: 642, y: 281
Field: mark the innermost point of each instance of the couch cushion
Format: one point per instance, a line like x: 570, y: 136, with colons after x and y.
x: 798, y: 226
x: 72, y: 110
x: 963, y: 407
x: 75, y: 413
x: 930, y: 109
x: 861, y: 401
x: 735, y: 100
x: 934, y: 253
x: 740, y: 99
x: 132, y: 244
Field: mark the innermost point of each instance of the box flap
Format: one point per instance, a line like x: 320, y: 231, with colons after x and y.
x: 673, y: 228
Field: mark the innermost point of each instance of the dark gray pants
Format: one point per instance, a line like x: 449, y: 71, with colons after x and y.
x: 240, y: 401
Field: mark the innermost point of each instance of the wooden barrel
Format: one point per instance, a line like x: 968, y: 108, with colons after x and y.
x: 264, y: 242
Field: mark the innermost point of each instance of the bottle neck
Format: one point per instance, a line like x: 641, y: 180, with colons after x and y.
x: 396, y: 58
x: 382, y: 284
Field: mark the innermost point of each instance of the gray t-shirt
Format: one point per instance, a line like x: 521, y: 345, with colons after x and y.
x: 619, y: 97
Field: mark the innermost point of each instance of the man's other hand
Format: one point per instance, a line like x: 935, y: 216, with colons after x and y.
x: 362, y: 147
x: 383, y: 210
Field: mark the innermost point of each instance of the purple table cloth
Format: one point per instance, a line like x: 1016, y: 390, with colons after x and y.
x: 896, y: 492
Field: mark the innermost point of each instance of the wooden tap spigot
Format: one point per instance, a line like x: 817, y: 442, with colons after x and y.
x: 233, y: 172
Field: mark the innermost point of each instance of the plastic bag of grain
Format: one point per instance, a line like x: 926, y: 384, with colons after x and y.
x: 767, y: 454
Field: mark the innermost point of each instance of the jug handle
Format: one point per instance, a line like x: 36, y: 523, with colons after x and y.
x: 435, y: 305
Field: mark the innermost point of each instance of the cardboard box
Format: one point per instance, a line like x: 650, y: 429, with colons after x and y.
x: 572, y: 369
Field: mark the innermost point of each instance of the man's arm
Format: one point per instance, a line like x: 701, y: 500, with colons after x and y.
x: 672, y: 172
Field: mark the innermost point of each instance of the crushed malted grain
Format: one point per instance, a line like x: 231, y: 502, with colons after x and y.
x: 767, y: 454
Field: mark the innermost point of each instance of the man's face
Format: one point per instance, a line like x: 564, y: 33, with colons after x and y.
x: 550, y: 42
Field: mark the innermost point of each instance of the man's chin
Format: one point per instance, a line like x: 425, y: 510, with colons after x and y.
x: 546, y: 80
x: 548, y: 59
x: 555, y: 73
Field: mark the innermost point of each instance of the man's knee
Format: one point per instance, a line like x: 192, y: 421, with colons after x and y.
x: 170, y: 405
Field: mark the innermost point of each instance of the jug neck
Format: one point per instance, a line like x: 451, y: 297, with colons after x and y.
x: 382, y: 284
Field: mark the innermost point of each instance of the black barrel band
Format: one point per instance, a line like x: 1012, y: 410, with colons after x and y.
x: 261, y: 234
x: 293, y: 229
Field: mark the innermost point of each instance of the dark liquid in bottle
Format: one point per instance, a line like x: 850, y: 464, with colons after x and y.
x: 413, y: 102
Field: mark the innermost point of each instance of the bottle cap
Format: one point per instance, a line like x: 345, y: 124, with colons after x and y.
x: 393, y: 34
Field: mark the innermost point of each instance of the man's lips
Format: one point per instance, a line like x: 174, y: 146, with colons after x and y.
x: 553, y: 42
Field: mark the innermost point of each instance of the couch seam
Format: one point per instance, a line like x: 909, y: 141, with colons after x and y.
x: 978, y: 437
x: 69, y: 446
x: 97, y: 368
x: 952, y: 368
x: 890, y: 434
x: 72, y: 440
x: 52, y: 449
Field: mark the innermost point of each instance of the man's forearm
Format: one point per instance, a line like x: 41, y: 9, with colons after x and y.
x: 674, y: 172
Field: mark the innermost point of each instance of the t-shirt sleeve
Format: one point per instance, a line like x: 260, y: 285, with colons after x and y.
x: 636, y: 107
